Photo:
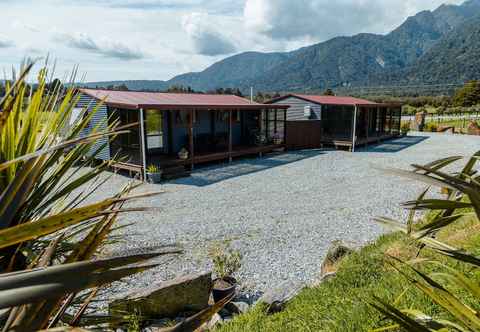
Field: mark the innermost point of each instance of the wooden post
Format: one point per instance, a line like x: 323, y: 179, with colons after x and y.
x: 285, y: 127
x: 190, y: 139
x: 267, y: 125
x: 142, y: 144
x: 368, y: 122
x: 275, y: 122
x: 354, y: 129
x: 391, y: 121
x: 399, y: 121
x: 230, y: 135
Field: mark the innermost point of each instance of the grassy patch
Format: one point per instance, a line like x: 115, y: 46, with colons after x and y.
x: 342, y: 303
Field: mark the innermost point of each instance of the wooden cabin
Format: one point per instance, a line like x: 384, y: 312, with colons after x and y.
x: 314, y: 121
x: 177, y: 131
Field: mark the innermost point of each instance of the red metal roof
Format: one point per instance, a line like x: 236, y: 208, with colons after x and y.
x: 328, y: 100
x: 160, y: 100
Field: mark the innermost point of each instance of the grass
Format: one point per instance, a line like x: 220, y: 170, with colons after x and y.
x: 342, y: 303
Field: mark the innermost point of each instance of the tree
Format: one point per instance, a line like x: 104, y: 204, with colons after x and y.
x: 469, y: 95
x: 55, y: 85
x: 238, y: 93
x: 122, y: 87
x: 259, y: 98
x: 329, y: 92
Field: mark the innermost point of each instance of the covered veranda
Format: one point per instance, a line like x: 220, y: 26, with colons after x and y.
x: 360, y: 125
x: 179, y: 131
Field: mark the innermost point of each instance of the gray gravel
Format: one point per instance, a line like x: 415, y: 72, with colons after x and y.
x: 281, y: 211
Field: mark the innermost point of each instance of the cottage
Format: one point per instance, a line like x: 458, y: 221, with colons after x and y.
x: 314, y: 121
x: 177, y: 131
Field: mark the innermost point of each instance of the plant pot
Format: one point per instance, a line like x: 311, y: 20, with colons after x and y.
x: 154, y: 177
x: 223, y: 287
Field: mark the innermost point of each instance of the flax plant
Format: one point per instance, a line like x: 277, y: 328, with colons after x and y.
x: 462, y: 201
x: 51, y: 240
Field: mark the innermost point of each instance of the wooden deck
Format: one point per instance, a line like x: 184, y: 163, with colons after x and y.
x: 359, y: 142
x: 165, y: 162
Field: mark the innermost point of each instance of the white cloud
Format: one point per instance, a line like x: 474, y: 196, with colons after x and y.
x: 206, y: 39
x: 323, y: 19
x: 18, y: 24
x: 106, y: 47
x: 5, y: 42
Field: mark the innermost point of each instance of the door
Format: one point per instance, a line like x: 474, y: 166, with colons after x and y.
x: 155, y: 132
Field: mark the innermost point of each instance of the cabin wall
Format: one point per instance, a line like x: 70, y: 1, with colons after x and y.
x: 297, y: 109
x: 98, y: 121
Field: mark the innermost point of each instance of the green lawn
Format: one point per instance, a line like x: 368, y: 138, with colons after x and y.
x: 342, y: 303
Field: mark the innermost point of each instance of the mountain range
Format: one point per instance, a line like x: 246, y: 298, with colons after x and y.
x: 439, y: 46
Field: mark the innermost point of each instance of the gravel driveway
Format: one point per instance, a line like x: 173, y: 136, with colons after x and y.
x: 281, y: 211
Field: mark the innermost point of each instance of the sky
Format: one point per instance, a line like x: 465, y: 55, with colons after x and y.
x: 158, y: 39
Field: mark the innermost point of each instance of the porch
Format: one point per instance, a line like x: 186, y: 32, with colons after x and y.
x: 351, y: 127
x: 177, y: 140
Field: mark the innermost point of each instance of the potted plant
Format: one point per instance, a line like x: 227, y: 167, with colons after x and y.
x: 183, y: 154
x: 226, y: 262
x: 154, y: 174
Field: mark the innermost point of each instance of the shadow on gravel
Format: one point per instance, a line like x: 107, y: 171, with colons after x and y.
x: 394, y: 145
x: 209, y: 175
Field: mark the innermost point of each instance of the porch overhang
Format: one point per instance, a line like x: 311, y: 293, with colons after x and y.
x: 212, y: 108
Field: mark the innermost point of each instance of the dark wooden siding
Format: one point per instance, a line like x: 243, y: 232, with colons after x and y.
x: 297, y: 108
x: 304, y: 134
x: 99, y: 121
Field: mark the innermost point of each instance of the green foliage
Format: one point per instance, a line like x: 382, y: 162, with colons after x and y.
x: 328, y: 92
x: 226, y: 261
x: 152, y: 169
x: 405, y: 127
x: 431, y: 127
x: 455, y: 293
x: 469, y: 95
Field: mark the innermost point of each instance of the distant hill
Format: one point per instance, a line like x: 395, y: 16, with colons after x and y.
x: 139, y: 85
x: 432, y: 46
x: 454, y: 59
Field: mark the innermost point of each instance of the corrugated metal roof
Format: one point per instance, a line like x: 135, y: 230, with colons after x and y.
x: 328, y: 100
x: 160, y: 100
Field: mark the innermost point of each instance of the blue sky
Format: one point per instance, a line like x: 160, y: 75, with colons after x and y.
x: 157, y: 39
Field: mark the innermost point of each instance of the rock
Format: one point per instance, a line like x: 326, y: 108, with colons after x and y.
x: 473, y: 128
x: 237, y: 308
x: 169, y: 298
x: 214, y: 321
x: 334, y: 255
x: 277, y: 298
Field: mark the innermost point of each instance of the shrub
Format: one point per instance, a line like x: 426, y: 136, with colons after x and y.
x: 405, y: 128
x: 448, y: 287
x: 226, y: 261
x: 431, y: 127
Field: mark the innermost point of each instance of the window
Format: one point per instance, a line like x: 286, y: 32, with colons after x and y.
x: 154, y: 128
x: 76, y: 112
x: 307, y: 111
